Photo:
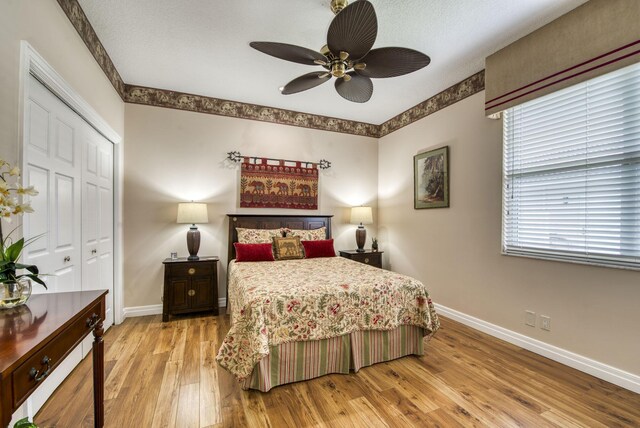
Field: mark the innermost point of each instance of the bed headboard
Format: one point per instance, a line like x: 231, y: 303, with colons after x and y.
x: 273, y: 221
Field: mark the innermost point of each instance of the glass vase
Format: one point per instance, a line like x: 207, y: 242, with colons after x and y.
x: 14, y: 293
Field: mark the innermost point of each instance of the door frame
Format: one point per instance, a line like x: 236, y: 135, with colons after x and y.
x: 32, y: 63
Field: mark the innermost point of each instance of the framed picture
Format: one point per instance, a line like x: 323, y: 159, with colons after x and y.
x: 431, y: 179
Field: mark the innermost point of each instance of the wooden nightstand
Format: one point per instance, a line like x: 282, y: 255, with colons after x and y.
x: 190, y: 286
x: 369, y: 257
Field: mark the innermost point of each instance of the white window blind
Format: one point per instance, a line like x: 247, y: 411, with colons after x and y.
x: 571, y: 173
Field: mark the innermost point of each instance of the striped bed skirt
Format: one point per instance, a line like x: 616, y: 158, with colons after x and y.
x: 297, y: 361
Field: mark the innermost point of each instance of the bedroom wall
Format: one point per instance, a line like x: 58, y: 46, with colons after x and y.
x: 174, y: 156
x: 456, y: 250
x: 44, y: 25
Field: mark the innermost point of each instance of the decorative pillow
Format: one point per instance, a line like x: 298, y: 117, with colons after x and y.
x: 288, y: 248
x: 257, y: 236
x: 253, y: 252
x: 320, y: 248
x: 308, y: 235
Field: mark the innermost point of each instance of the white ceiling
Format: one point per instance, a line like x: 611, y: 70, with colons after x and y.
x: 202, y: 46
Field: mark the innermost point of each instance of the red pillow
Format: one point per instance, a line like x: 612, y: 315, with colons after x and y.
x: 253, y: 252
x: 321, y: 248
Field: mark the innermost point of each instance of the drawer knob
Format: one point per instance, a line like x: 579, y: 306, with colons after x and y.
x: 191, y: 292
x: 92, y: 321
x: 191, y: 271
x: 366, y: 260
x: 67, y: 259
x: 36, y: 374
x: 94, y: 251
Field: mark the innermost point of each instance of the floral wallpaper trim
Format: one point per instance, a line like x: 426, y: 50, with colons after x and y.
x: 203, y: 104
x: 81, y: 23
x: 459, y: 91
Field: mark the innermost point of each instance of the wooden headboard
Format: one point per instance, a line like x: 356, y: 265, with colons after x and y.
x: 258, y: 221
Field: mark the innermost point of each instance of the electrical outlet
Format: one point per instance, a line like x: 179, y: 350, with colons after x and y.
x: 530, y: 318
x: 545, y: 322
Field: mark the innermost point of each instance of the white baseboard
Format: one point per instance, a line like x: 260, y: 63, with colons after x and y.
x: 602, y: 371
x: 143, y: 311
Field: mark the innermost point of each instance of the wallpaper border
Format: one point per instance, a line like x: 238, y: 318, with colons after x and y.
x: 461, y: 90
x: 81, y: 23
x: 202, y: 104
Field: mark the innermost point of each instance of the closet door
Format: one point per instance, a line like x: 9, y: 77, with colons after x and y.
x: 53, y: 165
x: 97, y: 217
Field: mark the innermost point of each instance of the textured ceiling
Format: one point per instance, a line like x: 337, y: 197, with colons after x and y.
x: 202, y: 46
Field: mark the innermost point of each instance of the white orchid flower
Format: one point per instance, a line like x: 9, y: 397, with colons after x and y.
x: 23, y: 208
x: 15, y: 171
x: 30, y: 190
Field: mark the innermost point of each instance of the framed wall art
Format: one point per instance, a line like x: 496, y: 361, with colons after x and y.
x: 431, y: 179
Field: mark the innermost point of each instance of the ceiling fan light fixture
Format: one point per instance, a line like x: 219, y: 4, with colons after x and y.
x: 338, y: 69
x: 348, y: 55
x: 338, y: 5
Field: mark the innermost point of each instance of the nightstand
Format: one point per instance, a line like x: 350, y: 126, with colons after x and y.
x: 190, y: 286
x: 369, y: 257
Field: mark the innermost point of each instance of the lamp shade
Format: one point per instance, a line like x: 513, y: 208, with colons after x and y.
x: 361, y: 215
x: 192, y: 212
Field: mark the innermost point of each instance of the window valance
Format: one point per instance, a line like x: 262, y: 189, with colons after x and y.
x: 596, y: 38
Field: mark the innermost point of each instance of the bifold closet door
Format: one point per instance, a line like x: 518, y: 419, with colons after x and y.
x: 97, y: 221
x: 52, y: 153
x: 71, y: 165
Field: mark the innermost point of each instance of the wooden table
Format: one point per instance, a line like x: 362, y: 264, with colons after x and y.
x: 36, y: 337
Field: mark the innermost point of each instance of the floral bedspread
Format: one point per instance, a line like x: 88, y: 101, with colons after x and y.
x: 312, y: 299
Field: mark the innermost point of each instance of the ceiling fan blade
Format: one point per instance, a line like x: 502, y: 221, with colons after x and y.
x: 306, y: 81
x: 289, y: 52
x: 392, y: 62
x: 353, y: 30
x: 359, y: 89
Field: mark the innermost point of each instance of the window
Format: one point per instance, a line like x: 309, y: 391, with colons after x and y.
x: 571, y: 173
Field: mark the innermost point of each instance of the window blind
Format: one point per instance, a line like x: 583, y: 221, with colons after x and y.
x: 571, y: 173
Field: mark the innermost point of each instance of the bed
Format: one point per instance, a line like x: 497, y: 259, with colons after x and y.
x: 294, y: 320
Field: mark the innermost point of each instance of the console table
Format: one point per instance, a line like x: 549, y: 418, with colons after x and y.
x: 36, y: 337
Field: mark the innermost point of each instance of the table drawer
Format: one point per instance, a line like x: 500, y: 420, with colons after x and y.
x: 34, y: 370
x: 370, y: 259
x: 191, y: 269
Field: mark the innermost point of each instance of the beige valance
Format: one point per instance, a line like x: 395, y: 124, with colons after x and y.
x: 596, y: 38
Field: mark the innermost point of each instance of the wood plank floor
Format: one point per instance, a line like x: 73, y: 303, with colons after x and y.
x: 165, y: 375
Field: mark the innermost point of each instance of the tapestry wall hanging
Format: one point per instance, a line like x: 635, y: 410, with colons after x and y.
x: 263, y: 185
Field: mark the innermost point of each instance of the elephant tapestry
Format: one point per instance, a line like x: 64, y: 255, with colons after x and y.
x: 278, y: 186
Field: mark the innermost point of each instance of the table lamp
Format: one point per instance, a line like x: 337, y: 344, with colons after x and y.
x: 360, y: 216
x: 194, y: 213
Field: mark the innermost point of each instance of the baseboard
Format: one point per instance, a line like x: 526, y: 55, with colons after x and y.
x: 602, y: 371
x: 143, y: 311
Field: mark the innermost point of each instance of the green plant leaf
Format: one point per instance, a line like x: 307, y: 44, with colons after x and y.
x: 24, y: 423
x: 14, y: 250
x: 31, y: 268
x: 36, y: 279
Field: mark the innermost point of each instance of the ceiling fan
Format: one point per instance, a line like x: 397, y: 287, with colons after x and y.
x: 347, y: 56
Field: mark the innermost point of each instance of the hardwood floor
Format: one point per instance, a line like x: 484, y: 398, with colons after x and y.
x: 165, y: 375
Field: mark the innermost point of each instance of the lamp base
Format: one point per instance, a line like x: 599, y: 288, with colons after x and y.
x: 361, y: 238
x: 193, y: 242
